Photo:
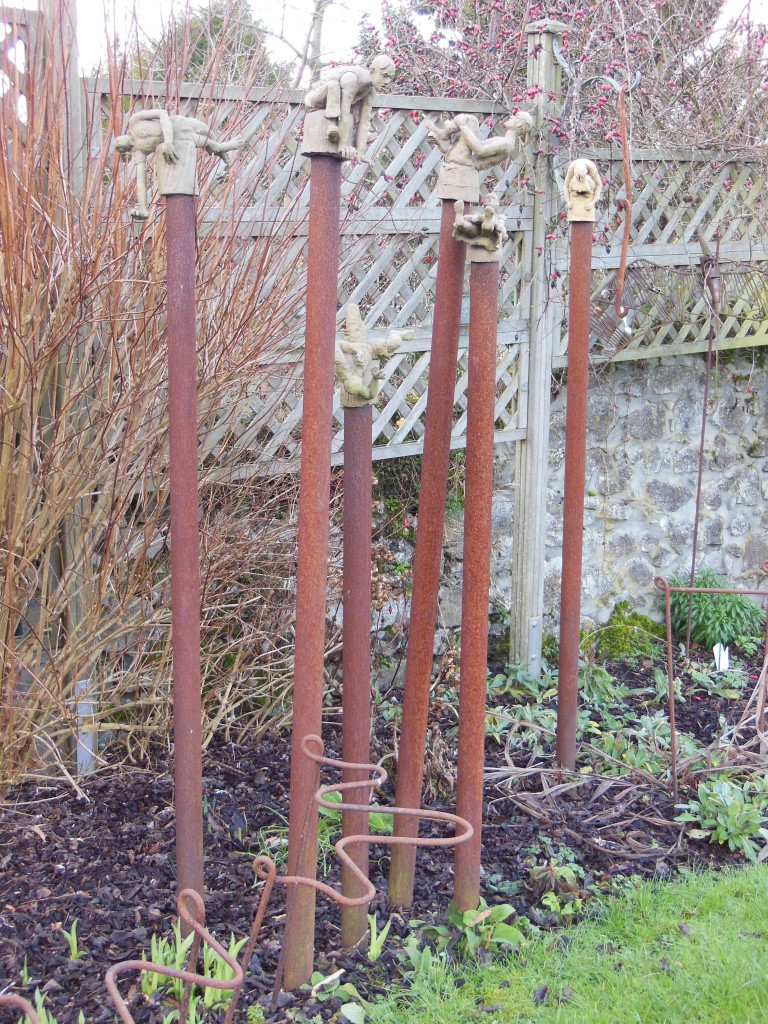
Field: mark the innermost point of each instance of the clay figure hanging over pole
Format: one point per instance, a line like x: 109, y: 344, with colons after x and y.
x: 345, y: 98
x: 167, y: 137
x: 174, y: 140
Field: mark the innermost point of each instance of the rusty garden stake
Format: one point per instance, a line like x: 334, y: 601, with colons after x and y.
x: 330, y: 136
x: 314, y: 503
x: 710, y: 269
x: 356, y: 655
x: 428, y: 554
x: 185, y: 551
x: 465, y: 155
x: 357, y: 365
x: 485, y: 234
x: 174, y: 141
x: 582, y: 190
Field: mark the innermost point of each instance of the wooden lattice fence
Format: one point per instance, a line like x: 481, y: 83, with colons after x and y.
x: 390, y: 230
x: 678, y: 197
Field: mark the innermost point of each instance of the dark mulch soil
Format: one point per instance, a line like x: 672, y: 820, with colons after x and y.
x: 106, y: 859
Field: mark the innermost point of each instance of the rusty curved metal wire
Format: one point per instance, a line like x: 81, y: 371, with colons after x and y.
x: 625, y: 205
x: 318, y: 756
x: 194, y: 919
x: 192, y: 910
x: 9, y: 999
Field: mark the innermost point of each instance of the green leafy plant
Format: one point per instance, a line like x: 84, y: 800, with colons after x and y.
x: 174, y: 952
x: 517, y: 681
x: 562, y: 909
x: 417, y: 957
x: 167, y: 952
x: 71, y: 937
x: 728, y: 684
x: 726, y: 813
x: 378, y: 822
x: 44, y: 1014
x: 473, y: 931
x: 497, y: 723
x: 376, y: 938
x: 750, y: 645
x: 331, y: 987
x: 643, y: 743
x: 715, y: 618
x: 596, y: 684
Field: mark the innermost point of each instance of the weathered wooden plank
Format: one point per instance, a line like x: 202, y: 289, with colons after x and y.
x: 677, y: 254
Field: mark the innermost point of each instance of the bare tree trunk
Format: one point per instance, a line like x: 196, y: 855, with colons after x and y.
x: 311, y: 55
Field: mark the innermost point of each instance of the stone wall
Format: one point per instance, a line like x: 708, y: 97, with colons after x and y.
x: 644, y: 427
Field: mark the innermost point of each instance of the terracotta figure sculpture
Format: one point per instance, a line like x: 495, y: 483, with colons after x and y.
x: 496, y: 148
x: 465, y: 153
x: 345, y: 96
x: 486, y: 230
x: 582, y: 187
x: 358, y: 359
x: 173, y: 139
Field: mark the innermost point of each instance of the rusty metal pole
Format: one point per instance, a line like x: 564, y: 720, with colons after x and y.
x: 582, y: 184
x: 428, y: 555
x: 314, y: 501
x: 185, y: 545
x: 356, y: 655
x: 478, y: 498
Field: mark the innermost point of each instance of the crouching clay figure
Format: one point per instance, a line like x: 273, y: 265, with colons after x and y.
x: 340, y: 109
x: 485, y: 232
x: 174, y: 140
x: 358, y: 360
x: 582, y: 187
x: 466, y: 154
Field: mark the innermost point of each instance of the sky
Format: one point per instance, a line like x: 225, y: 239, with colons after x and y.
x: 288, y: 17
x: 291, y: 18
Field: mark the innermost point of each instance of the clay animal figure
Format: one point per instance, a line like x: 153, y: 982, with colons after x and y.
x: 158, y: 132
x: 346, y: 97
x: 358, y: 359
x: 582, y: 186
x: 485, y: 230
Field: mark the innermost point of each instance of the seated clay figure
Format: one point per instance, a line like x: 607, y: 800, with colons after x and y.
x: 582, y: 186
x: 346, y: 96
x: 158, y: 132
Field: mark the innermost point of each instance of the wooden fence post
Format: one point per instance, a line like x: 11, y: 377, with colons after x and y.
x: 529, y: 523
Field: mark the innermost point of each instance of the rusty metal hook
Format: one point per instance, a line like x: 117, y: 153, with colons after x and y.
x: 318, y: 756
x: 192, y: 910
x: 194, y: 918
x: 625, y: 204
x: 9, y: 999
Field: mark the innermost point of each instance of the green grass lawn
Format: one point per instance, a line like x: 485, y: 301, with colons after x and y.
x: 689, y: 952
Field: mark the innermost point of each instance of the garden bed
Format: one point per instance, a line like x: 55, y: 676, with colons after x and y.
x: 104, y: 856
